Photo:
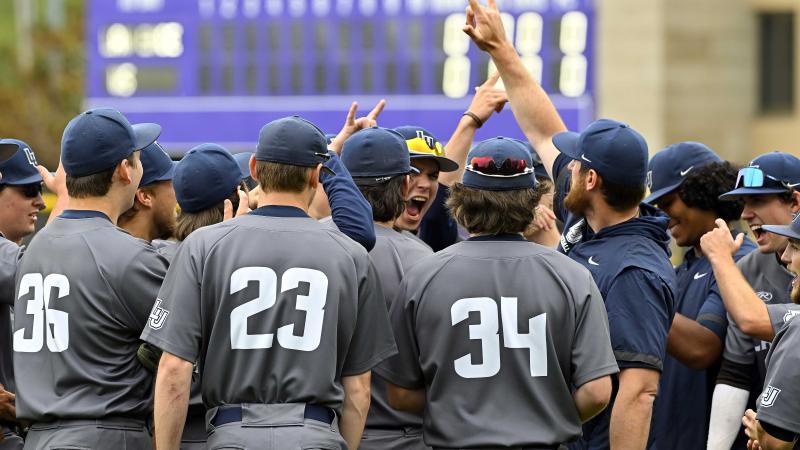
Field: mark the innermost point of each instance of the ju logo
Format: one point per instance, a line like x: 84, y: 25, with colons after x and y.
x: 157, y: 316
x: 769, y: 396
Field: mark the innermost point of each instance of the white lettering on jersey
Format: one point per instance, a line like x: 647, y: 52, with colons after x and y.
x: 48, y: 324
x: 313, y: 304
x: 769, y: 396
x: 765, y: 296
x: 790, y: 315
x: 487, y: 330
x: 157, y: 316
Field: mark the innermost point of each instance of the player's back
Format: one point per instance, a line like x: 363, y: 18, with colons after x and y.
x: 85, y: 289
x: 281, y: 298
x: 504, y: 330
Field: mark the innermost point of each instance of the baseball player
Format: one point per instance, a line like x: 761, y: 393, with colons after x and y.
x: 85, y: 289
x: 495, y: 332
x: 284, y: 316
x: 600, y: 182
x: 20, y: 202
x: 380, y: 165
x: 755, y: 290
x: 152, y: 216
x: 685, y: 181
x: 777, y: 425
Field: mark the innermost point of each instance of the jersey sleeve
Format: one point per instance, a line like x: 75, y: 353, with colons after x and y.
x: 175, y: 322
x: 592, y: 355
x: 438, y: 228
x: 639, y: 316
x: 781, y: 313
x: 562, y: 179
x: 737, y: 375
x: 712, y: 314
x: 350, y: 211
x: 403, y: 369
x: 372, y: 340
x: 778, y: 404
x: 10, y: 254
x: 141, y: 280
x: 739, y: 347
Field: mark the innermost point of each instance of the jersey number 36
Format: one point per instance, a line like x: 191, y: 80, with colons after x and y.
x: 46, y: 321
x: 313, y: 304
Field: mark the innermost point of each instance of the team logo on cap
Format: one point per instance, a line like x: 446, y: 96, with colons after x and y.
x: 428, y: 139
x: 769, y: 396
x: 31, y: 157
x: 157, y: 316
x: 649, y: 180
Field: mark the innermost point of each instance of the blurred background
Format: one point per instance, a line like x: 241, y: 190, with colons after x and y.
x: 717, y: 71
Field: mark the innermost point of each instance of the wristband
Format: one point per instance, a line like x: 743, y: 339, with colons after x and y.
x: 474, y: 117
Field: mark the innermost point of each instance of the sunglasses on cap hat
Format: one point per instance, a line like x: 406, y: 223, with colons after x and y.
x: 753, y: 177
x: 510, y: 167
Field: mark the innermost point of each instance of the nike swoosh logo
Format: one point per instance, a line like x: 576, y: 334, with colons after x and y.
x: 792, y: 185
x: 583, y: 157
x: 592, y: 262
x: 697, y: 276
x: 684, y: 172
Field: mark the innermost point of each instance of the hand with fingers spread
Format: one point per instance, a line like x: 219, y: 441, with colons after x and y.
x: 353, y: 124
x: 244, y: 206
x: 718, y: 242
x: 488, y: 99
x: 485, y: 26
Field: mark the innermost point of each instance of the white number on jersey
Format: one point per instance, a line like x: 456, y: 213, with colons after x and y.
x: 313, y: 304
x: 487, y: 330
x: 47, y: 323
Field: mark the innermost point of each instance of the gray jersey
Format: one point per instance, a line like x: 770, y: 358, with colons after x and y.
x: 394, y: 253
x: 779, y: 404
x: 9, y: 259
x: 282, y: 296
x: 168, y: 251
x: 772, y: 283
x: 498, y: 333
x: 85, y: 291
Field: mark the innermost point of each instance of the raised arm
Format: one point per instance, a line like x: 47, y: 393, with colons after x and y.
x: 535, y: 113
x: 486, y: 101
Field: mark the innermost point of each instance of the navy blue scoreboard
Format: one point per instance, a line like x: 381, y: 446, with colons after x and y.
x: 217, y: 70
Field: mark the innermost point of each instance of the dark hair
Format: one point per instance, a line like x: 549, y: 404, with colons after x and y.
x: 386, y: 199
x: 188, y: 222
x: 702, y: 187
x: 493, y: 212
x: 620, y: 197
x: 94, y: 185
x: 276, y: 177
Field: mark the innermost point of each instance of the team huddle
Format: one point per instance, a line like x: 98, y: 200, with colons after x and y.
x: 375, y: 289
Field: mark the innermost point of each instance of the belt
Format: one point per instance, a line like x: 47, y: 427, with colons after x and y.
x: 233, y: 413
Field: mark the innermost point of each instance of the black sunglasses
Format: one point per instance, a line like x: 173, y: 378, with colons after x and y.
x: 31, y: 190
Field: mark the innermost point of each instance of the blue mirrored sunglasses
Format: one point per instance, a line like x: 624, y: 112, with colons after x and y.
x: 753, y: 177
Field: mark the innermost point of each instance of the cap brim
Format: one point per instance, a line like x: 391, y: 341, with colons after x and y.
x: 658, y: 193
x: 145, y: 134
x: 7, y: 150
x: 783, y: 230
x: 27, y: 180
x: 736, y: 193
x: 567, y: 143
x: 445, y: 164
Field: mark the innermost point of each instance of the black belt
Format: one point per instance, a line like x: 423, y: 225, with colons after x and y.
x: 230, y: 414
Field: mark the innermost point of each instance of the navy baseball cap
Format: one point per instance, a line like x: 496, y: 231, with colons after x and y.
x: 792, y: 231
x: 538, y: 166
x: 771, y: 173
x: 499, y: 164
x: 422, y: 144
x: 20, y: 167
x: 205, y: 177
x: 615, y: 150
x: 156, y: 164
x: 376, y: 155
x: 7, y: 150
x: 670, y: 166
x: 98, y: 139
x: 243, y: 160
x: 294, y: 141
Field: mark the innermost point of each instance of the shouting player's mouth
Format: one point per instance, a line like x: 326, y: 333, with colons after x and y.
x: 415, y: 206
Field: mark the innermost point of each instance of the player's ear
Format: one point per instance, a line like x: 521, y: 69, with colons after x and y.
x: 313, y: 180
x: 795, y: 203
x: 592, y: 180
x: 124, y: 171
x: 143, y: 196
x: 406, y: 185
x: 252, y: 165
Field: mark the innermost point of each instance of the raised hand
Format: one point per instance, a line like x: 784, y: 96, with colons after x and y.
x: 719, y: 243
x: 488, y: 98
x: 353, y: 124
x: 484, y: 25
x: 244, y: 206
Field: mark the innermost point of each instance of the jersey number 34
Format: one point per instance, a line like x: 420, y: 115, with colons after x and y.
x: 313, y: 304
x: 487, y: 331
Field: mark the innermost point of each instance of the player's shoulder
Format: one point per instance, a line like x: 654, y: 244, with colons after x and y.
x: 400, y: 242
x: 755, y: 261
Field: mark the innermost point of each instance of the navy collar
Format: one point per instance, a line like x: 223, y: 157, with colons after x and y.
x: 279, y: 211
x: 83, y: 214
x: 497, y: 237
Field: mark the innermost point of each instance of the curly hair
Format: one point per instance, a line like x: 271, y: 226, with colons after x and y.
x: 493, y: 212
x: 702, y: 187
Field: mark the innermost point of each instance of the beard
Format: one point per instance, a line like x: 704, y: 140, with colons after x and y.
x: 577, y: 200
x: 165, y: 225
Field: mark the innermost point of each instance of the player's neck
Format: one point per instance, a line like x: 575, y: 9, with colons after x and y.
x: 140, y: 226
x: 100, y: 204
x: 600, y: 216
x: 284, y: 199
x: 388, y: 224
